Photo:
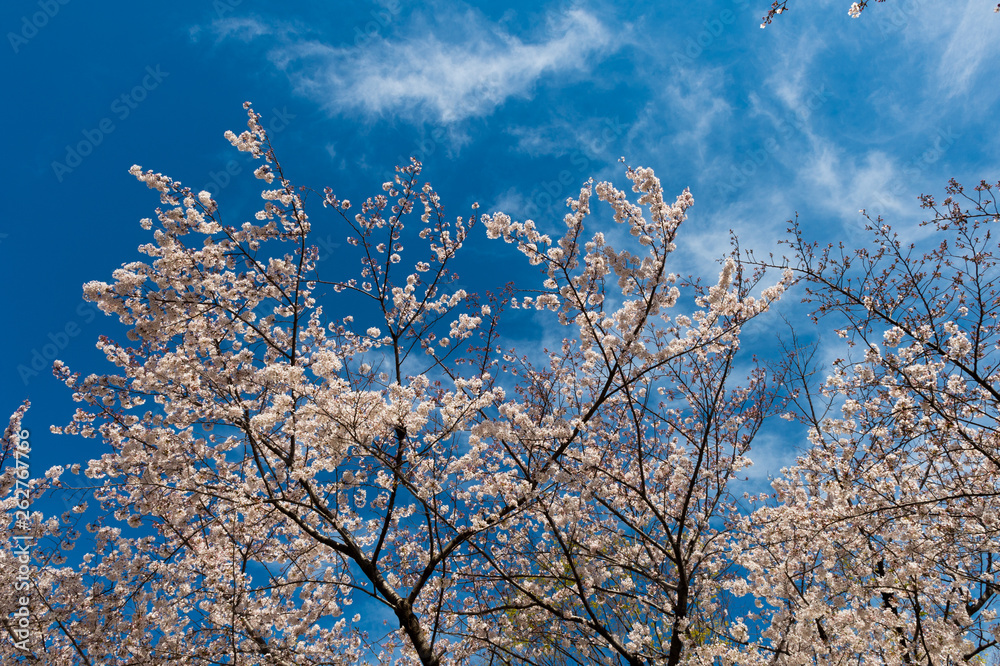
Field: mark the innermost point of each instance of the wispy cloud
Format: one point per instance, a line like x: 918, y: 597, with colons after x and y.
x: 241, y: 28
x: 971, y: 52
x: 458, y: 66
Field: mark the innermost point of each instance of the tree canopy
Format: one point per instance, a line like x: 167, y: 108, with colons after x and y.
x: 290, y: 446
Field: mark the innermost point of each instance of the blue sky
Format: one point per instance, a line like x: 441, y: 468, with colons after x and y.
x: 513, y: 105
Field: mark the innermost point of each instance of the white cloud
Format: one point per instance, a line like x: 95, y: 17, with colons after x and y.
x: 511, y: 201
x: 971, y: 51
x: 425, y: 77
x: 243, y: 28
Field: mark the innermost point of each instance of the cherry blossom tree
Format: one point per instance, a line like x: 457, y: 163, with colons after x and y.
x: 883, y: 546
x: 277, y: 481
x: 629, y: 562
